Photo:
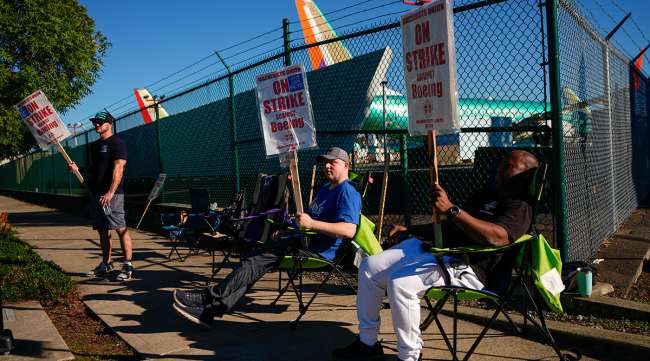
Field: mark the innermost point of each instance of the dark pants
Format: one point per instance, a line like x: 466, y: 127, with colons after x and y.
x: 229, y: 291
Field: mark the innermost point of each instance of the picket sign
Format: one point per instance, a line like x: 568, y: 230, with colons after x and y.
x: 155, y: 192
x: 430, y: 75
x: 286, y: 118
x: 46, y: 126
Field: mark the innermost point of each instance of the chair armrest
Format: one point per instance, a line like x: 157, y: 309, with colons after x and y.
x: 270, y: 212
x: 292, y: 228
x: 479, y: 249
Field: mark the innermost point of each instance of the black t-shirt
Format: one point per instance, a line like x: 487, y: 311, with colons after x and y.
x: 103, y: 154
x: 509, y: 207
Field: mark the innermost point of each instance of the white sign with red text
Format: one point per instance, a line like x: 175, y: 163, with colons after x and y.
x: 285, y: 110
x: 42, y: 120
x: 430, y: 68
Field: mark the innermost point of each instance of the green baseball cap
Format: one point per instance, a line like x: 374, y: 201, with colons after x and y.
x: 102, y: 117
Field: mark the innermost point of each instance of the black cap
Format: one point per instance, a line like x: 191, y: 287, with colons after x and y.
x: 334, y: 153
x: 102, y: 117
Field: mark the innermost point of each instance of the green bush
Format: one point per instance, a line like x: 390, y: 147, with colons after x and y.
x: 25, y: 276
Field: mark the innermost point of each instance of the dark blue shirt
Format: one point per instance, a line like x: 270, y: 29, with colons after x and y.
x: 341, y: 204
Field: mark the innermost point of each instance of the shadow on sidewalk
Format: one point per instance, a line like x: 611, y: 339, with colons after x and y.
x: 249, y: 339
x: 47, y: 218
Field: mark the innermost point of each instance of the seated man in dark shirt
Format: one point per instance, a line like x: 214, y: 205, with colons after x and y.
x: 334, y: 214
x: 405, y: 271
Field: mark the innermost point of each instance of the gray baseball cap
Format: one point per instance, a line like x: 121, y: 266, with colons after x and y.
x: 334, y: 153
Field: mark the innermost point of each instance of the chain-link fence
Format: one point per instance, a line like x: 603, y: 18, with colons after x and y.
x: 598, y: 124
x: 213, y: 140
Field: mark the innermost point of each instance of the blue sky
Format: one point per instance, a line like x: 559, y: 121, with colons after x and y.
x: 151, y: 40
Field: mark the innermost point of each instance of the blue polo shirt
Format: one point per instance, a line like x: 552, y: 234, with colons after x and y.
x: 340, y: 204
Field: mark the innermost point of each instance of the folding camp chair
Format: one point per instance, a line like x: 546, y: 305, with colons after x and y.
x: 517, y: 258
x: 173, y: 228
x: 269, y: 202
x: 179, y: 231
x: 245, y: 228
x: 193, y: 227
x: 364, y: 243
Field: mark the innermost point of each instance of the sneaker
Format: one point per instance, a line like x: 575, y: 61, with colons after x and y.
x: 126, y: 272
x: 203, y: 316
x: 358, y: 350
x: 196, y: 298
x: 101, y: 270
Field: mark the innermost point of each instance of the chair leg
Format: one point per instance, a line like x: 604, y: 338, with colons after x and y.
x: 212, y: 269
x: 175, y: 242
x: 443, y: 333
x: 542, y: 326
x: 226, y: 259
x: 483, y: 332
x: 455, y: 320
x: 518, y: 330
x: 346, y: 280
x: 433, y: 311
x: 496, y: 313
x: 304, y: 309
x: 283, y: 290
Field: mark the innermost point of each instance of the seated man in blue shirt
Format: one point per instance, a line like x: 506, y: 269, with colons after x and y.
x: 334, y: 214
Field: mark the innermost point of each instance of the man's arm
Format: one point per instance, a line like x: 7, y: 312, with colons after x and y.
x: 118, y: 172
x: 331, y: 229
x: 481, y: 231
x: 478, y: 230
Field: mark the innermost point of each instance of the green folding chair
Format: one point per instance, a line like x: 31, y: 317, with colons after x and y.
x: 363, y: 244
x: 517, y: 258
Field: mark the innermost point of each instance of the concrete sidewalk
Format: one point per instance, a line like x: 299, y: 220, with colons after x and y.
x: 140, y: 310
x: 35, y: 337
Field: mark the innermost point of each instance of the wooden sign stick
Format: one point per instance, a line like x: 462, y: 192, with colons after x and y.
x: 384, y: 183
x: 295, y: 181
x: 143, y: 213
x: 433, y: 177
x: 69, y: 161
x: 311, y: 185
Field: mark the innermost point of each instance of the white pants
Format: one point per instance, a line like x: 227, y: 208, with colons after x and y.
x: 406, y: 272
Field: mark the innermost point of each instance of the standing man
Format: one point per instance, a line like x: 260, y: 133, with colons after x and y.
x: 107, y: 161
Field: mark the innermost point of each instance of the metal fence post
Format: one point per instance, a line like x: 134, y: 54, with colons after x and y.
x: 161, y: 169
x: 286, y: 42
x: 559, y: 173
x: 233, y: 123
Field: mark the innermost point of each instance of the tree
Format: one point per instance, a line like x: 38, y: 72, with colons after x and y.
x: 50, y: 45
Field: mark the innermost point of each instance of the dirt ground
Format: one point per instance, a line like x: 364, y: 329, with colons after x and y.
x: 86, y: 336
x: 640, y: 292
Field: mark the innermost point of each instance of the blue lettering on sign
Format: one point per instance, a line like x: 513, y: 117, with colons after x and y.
x: 24, y: 113
x: 295, y: 82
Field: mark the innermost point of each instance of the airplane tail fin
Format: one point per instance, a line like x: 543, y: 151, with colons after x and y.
x: 145, y: 103
x: 316, y: 28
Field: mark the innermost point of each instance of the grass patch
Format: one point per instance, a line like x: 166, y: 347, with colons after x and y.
x: 25, y: 276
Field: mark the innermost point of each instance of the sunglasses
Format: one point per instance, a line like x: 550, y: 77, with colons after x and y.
x: 98, y: 122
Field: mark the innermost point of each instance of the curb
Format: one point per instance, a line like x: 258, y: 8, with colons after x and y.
x: 569, y: 332
x: 608, y: 307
